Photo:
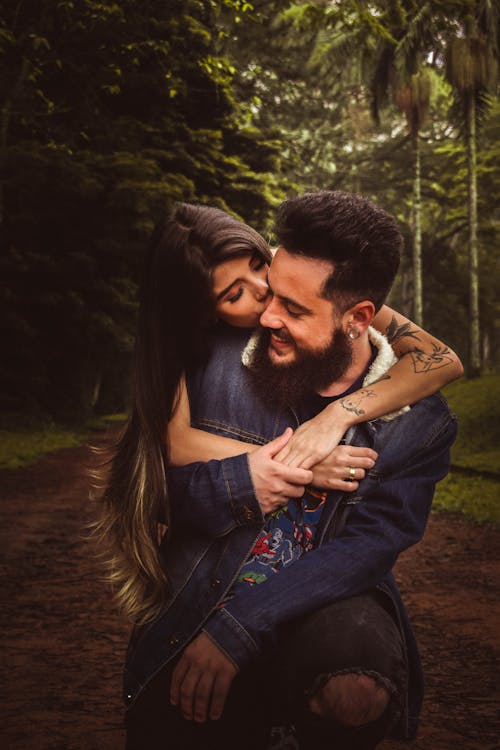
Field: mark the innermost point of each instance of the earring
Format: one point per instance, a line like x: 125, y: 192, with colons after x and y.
x: 354, y: 333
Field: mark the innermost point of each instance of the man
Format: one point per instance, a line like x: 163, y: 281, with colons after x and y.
x: 323, y: 640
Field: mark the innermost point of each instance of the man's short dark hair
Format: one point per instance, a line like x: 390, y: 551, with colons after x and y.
x: 362, y: 240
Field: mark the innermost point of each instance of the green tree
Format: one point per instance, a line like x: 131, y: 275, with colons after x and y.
x: 400, y: 69
x: 472, y: 68
x: 109, y: 112
x: 381, y: 49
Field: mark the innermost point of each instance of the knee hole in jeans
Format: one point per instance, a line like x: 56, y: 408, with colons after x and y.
x: 350, y: 699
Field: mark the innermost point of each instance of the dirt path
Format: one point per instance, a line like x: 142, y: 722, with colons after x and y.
x: 64, y: 646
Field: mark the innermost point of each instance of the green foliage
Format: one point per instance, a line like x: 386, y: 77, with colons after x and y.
x: 473, y: 486
x: 476, y: 404
x: 24, y: 443
x: 470, y: 64
x: 474, y: 496
x: 19, y: 448
x: 326, y: 72
x: 108, y: 114
x: 111, y: 111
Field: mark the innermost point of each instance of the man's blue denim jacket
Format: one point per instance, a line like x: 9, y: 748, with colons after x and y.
x: 215, y: 520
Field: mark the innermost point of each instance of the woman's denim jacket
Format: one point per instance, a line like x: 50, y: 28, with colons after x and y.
x: 215, y: 520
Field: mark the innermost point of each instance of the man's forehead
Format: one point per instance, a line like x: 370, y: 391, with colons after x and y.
x: 287, y: 266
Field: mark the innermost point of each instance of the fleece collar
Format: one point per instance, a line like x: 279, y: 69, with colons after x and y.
x: 384, y: 360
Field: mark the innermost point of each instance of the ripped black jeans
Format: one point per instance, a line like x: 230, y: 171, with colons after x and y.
x: 356, y: 635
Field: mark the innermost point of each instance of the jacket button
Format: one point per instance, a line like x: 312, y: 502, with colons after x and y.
x: 173, y: 641
x: 215, y: 582
x: 248, y: 514
x: 128, y: 698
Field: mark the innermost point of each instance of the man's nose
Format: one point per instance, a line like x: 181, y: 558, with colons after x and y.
x: 270, y: 317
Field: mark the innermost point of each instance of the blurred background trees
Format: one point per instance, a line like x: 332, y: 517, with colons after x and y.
x: 111, y: 110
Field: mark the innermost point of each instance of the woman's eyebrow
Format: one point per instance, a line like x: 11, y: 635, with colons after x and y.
x: 225, y: 291
x: 239, y: 280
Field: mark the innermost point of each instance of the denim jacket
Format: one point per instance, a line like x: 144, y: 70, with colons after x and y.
x: 216, y: 519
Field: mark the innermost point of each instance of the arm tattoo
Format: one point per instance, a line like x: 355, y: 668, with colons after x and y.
x: 425, y: 361
x: 394, y: 332
x: 353, y: 403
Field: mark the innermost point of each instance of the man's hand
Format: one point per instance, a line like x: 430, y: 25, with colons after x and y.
x: 344, y: 468
x: 201, y: 680
x: 275, y: 483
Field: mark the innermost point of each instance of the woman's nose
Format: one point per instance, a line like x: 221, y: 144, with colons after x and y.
x: 260, y: 289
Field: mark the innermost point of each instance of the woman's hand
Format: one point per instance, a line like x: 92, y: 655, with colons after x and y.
x: 344, y: 468
x: 315, y: 439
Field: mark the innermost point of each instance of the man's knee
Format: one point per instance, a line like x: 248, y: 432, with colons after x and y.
x: 351, y: 700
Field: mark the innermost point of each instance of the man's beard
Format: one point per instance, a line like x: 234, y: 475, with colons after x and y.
x: 310, y: 372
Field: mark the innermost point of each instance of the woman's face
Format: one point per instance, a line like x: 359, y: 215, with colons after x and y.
x: 241, y: 290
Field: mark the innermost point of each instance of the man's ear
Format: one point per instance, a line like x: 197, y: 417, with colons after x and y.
x: 357, y: 319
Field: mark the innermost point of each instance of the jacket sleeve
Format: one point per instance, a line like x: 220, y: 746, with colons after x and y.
x: 390, y: 517
x: 213, y: 497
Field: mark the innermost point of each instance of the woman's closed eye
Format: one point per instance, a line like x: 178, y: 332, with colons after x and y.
x: 241, y: 290
x: 234, y: 296
x: 257, y: 264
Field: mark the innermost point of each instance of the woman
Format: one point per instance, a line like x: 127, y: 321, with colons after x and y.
x: 205, y: 266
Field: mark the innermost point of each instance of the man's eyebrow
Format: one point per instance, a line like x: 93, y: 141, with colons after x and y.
x: 302, y: 308
x: 288, y: 301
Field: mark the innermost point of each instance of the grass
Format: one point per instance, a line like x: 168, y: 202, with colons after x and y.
x: 474, y: 496
x: 473, y: 485
x: 23, y: 445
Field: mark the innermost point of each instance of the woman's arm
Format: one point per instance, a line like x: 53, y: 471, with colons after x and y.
x: 187, y: 444
x: 427, y: 353
x: 425, y: 366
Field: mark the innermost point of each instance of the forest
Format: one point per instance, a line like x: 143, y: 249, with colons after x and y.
x: 110, y: 111
x: 113, y: 110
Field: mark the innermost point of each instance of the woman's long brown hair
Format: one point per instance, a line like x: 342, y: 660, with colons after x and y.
x: 175, y: 314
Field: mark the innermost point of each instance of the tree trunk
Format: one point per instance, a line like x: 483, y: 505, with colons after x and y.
x: 5, y: 115
x: 4, y: 126
x: 96, y: 390
x: 486, y: 349
x: 417, y: 236
x: 474, y: 364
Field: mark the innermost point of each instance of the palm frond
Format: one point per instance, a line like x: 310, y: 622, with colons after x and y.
x: 380, y: 81
x: 417, y: 36
x: 334, y: 48
x: 300, y: 17
x: 488, y: 21
x: 471, y: 63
